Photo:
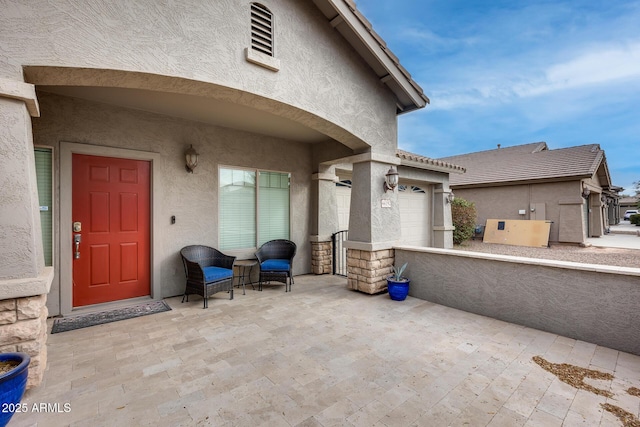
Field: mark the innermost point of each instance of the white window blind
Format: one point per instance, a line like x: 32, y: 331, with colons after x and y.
x: 43, y: 157
x: 237, y: 209
x: 253, y: 212
x: 273, y: 206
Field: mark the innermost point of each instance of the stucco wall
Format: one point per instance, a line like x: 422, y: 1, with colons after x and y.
x: 597, y: 304
x: 20, y: 257
x: 192, y: 198
x: 506, y: 201
x: 205, y: 41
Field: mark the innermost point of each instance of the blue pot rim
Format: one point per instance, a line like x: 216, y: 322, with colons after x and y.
x: 395, y: 282
x: 24, y: 360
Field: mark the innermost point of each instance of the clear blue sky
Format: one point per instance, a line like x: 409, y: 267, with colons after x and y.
x: 515, y: 72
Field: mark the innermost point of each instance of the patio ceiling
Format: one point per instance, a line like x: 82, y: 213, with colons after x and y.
x: 195, y: 108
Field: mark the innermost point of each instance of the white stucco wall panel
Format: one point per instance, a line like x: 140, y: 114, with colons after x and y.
x: 374, y: 215
x: 19, y: 207
x: 205, y: 41
x: 192, y: 198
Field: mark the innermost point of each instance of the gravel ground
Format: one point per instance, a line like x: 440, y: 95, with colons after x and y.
x: 590, y: 255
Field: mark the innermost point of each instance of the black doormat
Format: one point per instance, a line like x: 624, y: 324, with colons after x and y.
x: 91, y: 319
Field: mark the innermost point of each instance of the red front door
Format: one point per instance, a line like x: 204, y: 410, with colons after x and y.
x: 111, y: 211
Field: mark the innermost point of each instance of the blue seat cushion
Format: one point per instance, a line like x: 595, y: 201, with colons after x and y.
x: 213, y: 274
x: 275, y: 265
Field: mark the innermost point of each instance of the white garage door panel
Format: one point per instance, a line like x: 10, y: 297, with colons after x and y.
x: 343, y: 199
x: 415, y: 215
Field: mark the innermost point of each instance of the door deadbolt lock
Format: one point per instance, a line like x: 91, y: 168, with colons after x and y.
x: 77, y: 227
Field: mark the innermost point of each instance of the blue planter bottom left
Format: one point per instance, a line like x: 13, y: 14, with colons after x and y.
x: 12, y: 384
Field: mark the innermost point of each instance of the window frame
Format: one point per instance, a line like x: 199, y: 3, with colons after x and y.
x: 249, y: 252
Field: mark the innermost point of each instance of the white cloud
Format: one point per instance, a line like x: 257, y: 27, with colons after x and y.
x: 603, y: 66
x: 509, y: 80
x: 429, y: 41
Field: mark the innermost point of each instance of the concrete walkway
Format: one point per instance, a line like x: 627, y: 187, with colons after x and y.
x: 623, y: 235
x: 323, y: 355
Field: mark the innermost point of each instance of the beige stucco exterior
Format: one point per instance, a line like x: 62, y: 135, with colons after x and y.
x: 204, y: 42
x: 145, y: 80
x: 140, y: 55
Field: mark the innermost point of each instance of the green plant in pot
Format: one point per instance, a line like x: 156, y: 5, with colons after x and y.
x: 397, y: 284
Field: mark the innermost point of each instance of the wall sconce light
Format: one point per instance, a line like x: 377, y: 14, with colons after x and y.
x: 391, y: 180
x: 450, y: 197
x: 191, y: 156
x: 585, y: 192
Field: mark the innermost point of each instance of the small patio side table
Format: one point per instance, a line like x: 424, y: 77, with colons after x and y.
x: 245, y: 267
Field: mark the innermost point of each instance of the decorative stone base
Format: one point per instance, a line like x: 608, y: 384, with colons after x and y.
x: 367, y: 271
x: 321, y: 257
x: 23, y: 327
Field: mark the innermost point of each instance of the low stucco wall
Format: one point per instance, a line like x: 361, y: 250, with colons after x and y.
x: 593, y: 303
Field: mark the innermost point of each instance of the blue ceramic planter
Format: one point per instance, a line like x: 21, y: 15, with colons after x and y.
x: 12, y: 385
x: 398, y: 291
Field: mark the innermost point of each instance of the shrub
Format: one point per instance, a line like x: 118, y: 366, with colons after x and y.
x: 635, y: 219
x: 463, y: 214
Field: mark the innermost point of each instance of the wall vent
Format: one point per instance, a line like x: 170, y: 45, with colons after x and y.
x: 261, y: 29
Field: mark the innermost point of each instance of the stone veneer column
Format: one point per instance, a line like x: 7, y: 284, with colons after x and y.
x: 374, y: 224
x: 321, y: 257
x: 24, y: 280
x: 23, y: 327
x: 368, y: 270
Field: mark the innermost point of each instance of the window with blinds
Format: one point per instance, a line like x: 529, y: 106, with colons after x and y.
x: 261, y: 29
x: 237, y: 209
x: 44, y: 177
x: 273, y: 206
x: 253, y: 211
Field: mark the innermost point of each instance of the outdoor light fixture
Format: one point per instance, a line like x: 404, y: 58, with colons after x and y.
x: 391, y: 180
x: 450, y: 197
x: 192, y: 159
x: 585, y: 192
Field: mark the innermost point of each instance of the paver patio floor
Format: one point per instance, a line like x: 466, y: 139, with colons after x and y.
x: 321, y: 355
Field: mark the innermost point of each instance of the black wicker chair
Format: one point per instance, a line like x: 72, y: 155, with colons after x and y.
x: 208, y: 271
x: 275, y: 259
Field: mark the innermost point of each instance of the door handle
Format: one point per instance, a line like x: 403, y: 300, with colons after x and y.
x: 76, y: 240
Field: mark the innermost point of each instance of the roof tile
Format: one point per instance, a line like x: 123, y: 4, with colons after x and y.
x: 528, y: 162
x: 428, y: 160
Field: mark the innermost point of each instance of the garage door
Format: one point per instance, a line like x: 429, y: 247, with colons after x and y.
x: 415, y: 215
x: 343, y: 199
x: 415, y: 212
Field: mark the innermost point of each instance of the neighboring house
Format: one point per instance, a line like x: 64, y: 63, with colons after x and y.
x: 571, y: 187
x: 627, y: 203
x: 100, y: 101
